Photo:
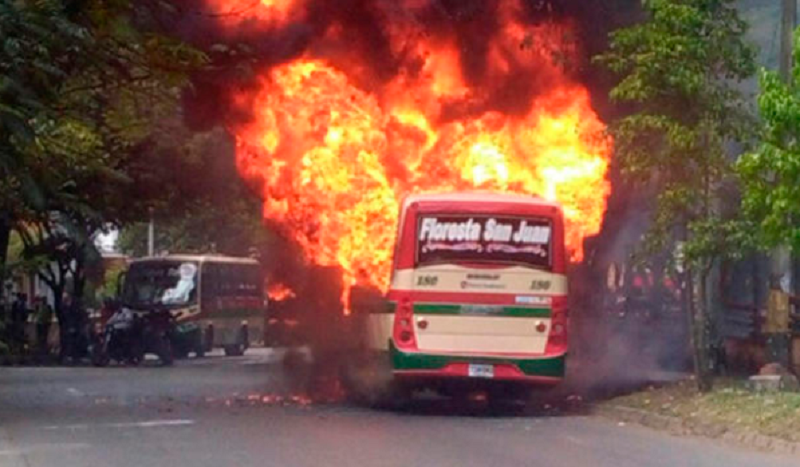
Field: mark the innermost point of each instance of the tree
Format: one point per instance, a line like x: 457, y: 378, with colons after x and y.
x: 771, y: 173
x: 204, y: 205
x: 678, y: 71
x: 33, y: 35
x: 83, y: 86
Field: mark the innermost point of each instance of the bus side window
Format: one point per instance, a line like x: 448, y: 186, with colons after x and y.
x: 221, y: 280
x: 227, y: 280
x: 251, y: 281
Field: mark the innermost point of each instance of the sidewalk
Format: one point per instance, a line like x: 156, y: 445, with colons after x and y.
x: 731, y: 413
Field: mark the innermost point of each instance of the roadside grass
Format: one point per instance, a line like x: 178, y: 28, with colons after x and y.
x: 730, y: 404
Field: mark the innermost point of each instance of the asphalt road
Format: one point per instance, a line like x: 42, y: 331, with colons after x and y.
x: 244, y: 411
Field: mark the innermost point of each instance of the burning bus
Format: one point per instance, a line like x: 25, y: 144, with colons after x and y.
x: 359, y: 111
x: 478, y: 298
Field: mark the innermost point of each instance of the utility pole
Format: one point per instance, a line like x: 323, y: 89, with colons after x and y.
x: 781, y: 281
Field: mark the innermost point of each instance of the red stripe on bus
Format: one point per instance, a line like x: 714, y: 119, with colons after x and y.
x: 461, y: 370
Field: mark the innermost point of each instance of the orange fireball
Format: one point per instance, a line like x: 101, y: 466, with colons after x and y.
x: 335, y: 153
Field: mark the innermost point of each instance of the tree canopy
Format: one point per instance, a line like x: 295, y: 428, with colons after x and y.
x: 771, y: 173
x: 205, y: 205
x: 84, y: 86
x: 678, y: 72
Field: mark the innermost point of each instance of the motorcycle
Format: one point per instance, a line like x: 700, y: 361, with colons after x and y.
x: 188, y: 337
x: 127, y: 336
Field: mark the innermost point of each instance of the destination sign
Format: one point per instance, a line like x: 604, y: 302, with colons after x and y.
x: 449, y: 239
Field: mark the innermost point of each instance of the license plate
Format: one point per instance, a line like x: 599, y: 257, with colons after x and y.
x: 480, y: 309
x: 481, y: 371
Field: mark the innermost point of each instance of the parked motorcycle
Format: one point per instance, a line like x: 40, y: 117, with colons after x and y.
x: 127, y: 336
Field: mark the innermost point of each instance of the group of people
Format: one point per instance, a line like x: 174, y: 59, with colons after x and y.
x: 15, y: 318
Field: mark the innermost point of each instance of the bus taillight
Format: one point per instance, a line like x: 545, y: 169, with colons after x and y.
x: 403, y: 325
x: 557, y: 340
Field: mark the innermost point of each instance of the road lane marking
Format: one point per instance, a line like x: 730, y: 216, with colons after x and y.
x: 74, y: 392
x: 142, y: 424
x: 152, y: 423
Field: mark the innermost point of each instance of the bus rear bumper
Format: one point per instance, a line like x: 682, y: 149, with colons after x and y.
x: 537, y: 371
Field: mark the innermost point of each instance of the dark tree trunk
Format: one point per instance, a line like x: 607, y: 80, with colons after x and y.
x: 56, y: 281
x: 61, y: 313
x: 79, y: 279
x: 700, y: 329
x: 58, y: 307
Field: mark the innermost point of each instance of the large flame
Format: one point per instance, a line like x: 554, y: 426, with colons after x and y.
x: 335, y: 151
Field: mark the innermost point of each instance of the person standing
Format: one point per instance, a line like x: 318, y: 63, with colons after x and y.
x: 44, y: 318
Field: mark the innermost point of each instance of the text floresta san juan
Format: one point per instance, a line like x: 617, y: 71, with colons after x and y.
x: 486, y: 229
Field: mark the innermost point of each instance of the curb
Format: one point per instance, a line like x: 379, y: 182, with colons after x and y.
x: 679, y: 427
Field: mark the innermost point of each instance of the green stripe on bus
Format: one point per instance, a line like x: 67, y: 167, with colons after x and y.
x: 512, y: 311
x: 553, y: 366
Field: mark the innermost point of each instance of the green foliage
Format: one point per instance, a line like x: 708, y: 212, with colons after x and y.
x: 678, y: 72
x: 204, y: 204
x: 83, y: 86
x: 234, y: 229
x: 37, y: 38
x: 80, y: 87
x: 771, y: 173
x: 107, y: 288
x: 17, y: 261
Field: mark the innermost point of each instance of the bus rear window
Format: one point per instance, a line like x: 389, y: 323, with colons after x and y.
x: 484, y: 239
